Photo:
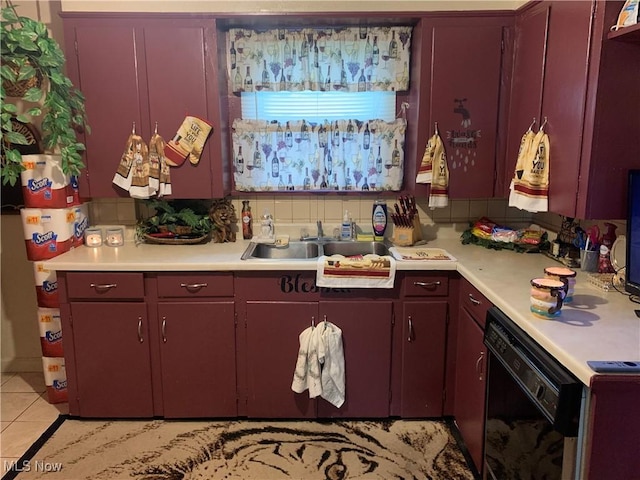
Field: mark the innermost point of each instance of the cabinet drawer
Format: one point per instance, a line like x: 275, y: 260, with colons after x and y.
x: 104, y: 285
x: 425, y: 285
x: 475, y: 302
x: 198, y: 285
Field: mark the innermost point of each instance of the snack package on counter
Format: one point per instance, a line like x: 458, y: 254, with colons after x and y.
x: 487, y: 233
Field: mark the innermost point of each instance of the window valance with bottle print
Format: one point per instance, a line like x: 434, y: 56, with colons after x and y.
x: 340, y: 155
x: 339, y: 59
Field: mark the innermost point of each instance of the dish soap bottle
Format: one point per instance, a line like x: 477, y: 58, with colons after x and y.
x: 379, y: 219
x: 247, y: 227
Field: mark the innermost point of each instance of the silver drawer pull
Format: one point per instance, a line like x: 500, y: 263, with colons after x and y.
x: 194, y: 286
x: 427, y: 284
x: 140, y: 337
x: 103, y: 287
x: 473, y: 300
x: 410, y: 330
x: 164, y: 329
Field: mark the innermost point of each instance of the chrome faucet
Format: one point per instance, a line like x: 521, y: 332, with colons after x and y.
x: 320, y: 232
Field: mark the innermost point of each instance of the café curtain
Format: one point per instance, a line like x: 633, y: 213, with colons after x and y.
x: 349, y: 59
x: 342, y: 155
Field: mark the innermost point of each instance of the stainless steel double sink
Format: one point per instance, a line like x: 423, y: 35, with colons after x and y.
x: 309, y: 249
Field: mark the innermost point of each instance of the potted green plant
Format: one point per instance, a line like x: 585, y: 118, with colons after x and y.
x: 176, y: 221
x: 33, y: 71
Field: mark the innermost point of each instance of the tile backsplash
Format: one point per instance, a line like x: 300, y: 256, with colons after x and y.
x: 309, y: 208
x: 298, y: 209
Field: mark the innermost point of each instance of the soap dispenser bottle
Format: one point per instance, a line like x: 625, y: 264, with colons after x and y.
x: 345, y: 231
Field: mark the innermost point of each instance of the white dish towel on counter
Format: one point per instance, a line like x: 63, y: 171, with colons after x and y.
x: 361, y: 271
x: 320, y: 364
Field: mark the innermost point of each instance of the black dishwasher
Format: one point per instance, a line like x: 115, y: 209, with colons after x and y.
x: 533, y: 407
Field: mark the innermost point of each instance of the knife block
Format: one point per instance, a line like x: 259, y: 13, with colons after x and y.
x: 407, y: 236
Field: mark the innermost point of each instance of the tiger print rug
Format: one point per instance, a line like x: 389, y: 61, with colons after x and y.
x: 249, y: 450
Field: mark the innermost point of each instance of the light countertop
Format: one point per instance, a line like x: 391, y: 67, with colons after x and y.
x: 597, y: 325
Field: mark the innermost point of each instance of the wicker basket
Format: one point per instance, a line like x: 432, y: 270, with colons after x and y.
x: 18, y: 89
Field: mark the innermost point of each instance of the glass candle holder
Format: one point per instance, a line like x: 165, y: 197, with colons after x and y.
x: 115, y: 237
x: 93, y: 237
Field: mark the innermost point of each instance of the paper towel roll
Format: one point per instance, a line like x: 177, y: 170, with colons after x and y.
x: 80, y: 223
x: 46, y: 286
x: 50, y: 332
x: 55, y: 378
x: 44, y: 185
x: 47, y: 232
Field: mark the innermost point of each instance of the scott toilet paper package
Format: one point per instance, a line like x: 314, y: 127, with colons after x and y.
x: 46, y: 286
x: 48, y: 232
x: 55, y: 378
x: 50, y: 332
x: 80, y: 223
x: 44, y: 185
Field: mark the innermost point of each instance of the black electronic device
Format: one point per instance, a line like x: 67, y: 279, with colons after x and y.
x: 632, y: 274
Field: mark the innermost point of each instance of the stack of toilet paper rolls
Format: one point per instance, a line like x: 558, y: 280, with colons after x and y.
x: 54, y: 221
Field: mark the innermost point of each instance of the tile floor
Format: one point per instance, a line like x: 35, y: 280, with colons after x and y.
x: 25, y: 413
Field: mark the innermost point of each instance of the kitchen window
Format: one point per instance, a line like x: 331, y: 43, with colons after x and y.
x: 318, y: 108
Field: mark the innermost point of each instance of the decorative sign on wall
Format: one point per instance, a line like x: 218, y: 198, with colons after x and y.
x: 463, y: 141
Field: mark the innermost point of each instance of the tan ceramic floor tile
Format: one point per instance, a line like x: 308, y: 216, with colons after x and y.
x: 43, y: 411
x: 25, y: 382
x: 13, y: 404
x: 19, y: 436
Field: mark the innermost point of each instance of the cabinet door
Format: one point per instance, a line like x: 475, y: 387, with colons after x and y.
x: 464, y: 102
x: 423, y: 356
x: 197, y: 352
x: 273, y: 330
x: 180, y: 82
x: 470, y: 385
x: 366, y: 340
x: 107, y: 55
x: 565, y: 91
x: 527, y: 80
x: 113, y: 365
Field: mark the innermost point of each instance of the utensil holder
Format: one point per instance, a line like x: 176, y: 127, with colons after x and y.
x: 589, y: 260
x: 407, y: 236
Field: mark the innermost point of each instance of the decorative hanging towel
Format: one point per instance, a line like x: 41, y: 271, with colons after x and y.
x: 439, y: 194
x: 159, y: 178
x: 188, y: 142
x: 426, y: 166
x: 530, y: 189
x: 133, y: 171
x: 368, y: 271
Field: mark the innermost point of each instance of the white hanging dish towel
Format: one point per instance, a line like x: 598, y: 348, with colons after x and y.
x: 331, y: 357
x: 361, y: 271
x: 426, y: 165
x: 307, y: 371
x: 439, y: 194
x: 530, y: 185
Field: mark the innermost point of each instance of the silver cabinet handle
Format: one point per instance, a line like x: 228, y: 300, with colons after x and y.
x: 102, y: 287
x: 194, y: 286
x: 479, y: 365
x: 473, y: 300
x: 313, y: 321
x: 140, y: 337
x: 164, y: 329
x: 410, y: 330
x: 427, y: 284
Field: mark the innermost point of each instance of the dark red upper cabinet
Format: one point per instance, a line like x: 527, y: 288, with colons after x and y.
x: 460, y: 89
x: 146, y: 70
x: 591, y: 100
